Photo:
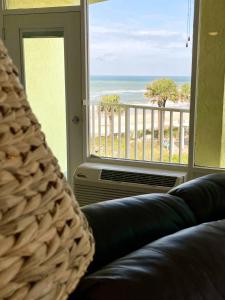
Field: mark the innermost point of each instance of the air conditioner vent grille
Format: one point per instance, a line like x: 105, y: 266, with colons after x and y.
x: 139, y: 178
x: 86, y: 194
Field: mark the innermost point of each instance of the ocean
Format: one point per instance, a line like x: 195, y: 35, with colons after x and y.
x: 131, y: 89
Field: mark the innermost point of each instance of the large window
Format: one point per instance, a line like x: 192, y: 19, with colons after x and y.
x: 140, y: 75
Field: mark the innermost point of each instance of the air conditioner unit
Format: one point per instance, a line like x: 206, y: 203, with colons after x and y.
x: 96, y: 182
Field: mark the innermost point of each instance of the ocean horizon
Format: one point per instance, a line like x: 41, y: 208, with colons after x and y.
x: 130, y: 88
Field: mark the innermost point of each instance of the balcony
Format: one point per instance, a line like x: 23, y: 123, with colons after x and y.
x: 139, y: 132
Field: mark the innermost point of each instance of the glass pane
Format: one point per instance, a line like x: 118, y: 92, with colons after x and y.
x: 45, y: 87
x: 140, y: 76
x: 210, y: 110
x: 21, y: 4
x: 16, y: 4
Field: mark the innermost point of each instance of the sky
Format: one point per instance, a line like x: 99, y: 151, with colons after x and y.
x: 139, y: 37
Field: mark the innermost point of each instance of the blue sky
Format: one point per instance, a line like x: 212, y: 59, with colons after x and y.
x: 143, y: 37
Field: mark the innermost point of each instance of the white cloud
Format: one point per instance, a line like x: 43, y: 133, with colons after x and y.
x: 121, y: 29
x: 124, y: 49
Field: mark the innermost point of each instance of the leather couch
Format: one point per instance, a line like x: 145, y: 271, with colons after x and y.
x: 159, y: 246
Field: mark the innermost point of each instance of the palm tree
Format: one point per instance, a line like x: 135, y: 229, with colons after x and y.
x: 110, y: 104
x: 185, y: 92
x: 161, y: 90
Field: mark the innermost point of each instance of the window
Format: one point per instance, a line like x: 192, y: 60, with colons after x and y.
x: 24, y: 4
x: 15, y: 4
x: 45, y: 86
x: 140, y: 74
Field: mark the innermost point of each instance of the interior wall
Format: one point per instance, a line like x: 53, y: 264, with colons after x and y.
x: 210, y: 125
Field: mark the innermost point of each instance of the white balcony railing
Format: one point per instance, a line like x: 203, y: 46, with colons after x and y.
x: 139, y: 132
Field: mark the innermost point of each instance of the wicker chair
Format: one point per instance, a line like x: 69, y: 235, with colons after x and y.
x: 45, y: 242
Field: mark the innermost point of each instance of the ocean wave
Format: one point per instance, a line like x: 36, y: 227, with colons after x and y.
x: 107, y: 92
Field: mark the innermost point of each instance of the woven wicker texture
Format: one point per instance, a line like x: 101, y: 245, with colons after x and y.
x: 45, y: 243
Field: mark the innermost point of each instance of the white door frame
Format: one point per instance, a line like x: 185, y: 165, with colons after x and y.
x: 56, y: 21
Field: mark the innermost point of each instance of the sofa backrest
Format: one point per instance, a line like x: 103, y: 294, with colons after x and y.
x: 124, y: 225
x: 205, y: 196
x: 185, y: 265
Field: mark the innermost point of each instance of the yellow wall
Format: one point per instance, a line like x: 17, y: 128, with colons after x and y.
x: 210, y: 127
x: 12, y: 4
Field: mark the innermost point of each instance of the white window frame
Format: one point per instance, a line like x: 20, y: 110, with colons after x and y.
x: 191, y: 169
x: 119, y: 161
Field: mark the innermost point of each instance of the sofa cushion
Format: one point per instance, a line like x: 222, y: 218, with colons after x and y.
x: 205, y: 196
x: 186, y: 265
x: 124, y: 225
